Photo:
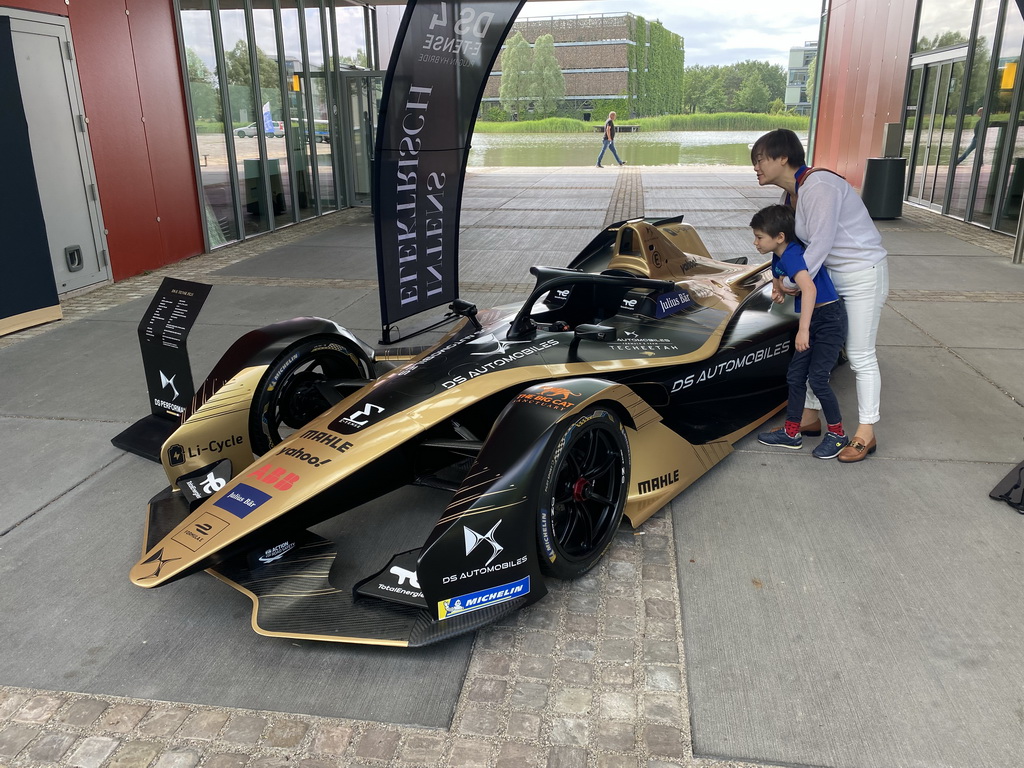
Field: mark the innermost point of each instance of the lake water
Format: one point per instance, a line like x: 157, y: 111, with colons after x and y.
x: 653, y: 148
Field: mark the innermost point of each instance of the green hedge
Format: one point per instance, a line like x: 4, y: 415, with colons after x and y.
x: 211, y: 126
x: 547, y: 125
x: 722, y: 121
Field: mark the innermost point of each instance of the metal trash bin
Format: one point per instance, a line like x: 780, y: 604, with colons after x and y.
x: 882, y: 193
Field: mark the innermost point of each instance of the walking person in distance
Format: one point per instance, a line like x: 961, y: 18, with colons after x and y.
x: 609, y: 140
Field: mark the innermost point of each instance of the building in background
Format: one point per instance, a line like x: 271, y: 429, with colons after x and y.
x: 161, y: 129
x: 610, y: 61
x: 800, y: 59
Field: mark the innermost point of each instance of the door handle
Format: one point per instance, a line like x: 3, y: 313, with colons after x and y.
x: 73, y: 257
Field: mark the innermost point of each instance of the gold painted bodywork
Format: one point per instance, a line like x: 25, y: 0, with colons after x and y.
x: 663, y: 463
x: 222, y: 418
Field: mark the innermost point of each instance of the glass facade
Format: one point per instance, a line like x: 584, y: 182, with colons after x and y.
x: 268, y: 87
x: 962, y: 127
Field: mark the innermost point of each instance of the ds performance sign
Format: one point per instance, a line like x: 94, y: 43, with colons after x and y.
x: 162, y: 336
x: 442, y: 58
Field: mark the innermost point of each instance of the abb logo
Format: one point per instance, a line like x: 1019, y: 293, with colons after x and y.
x: 275, y: 476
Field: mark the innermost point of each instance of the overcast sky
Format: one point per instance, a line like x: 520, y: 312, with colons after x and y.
x: 722, y: 32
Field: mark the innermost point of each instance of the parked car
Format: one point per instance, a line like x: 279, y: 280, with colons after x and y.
x: 251, y: 129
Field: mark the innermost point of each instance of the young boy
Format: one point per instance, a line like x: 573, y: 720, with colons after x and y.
x: 819, y: 337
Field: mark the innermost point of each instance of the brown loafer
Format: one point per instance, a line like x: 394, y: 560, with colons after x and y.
x: 857, y: 450
x: 811, y: 430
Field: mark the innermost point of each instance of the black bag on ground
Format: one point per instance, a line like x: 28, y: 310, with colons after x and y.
x: 1011, y: 488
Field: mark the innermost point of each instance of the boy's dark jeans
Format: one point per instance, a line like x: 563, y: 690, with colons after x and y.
x: 814, y: 366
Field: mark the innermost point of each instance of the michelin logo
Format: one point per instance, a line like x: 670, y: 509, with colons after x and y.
x: 474, y: 601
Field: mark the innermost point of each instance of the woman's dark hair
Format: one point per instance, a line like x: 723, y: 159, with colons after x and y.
x: 781, y: 142
x: 776, y: 220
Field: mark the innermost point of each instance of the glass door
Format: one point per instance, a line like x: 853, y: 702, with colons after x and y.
x: 360, y: 97
x: 933, y: 152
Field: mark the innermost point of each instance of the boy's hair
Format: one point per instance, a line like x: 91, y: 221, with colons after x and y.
x: 781, y: 142
x: 776, y: 220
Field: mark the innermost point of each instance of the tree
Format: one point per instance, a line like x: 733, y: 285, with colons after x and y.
x: 773, y: 76
x: 734, y: 76
x: 548, y: 81
x: 943, y: 40
x: 203, y: 86
x: 812, y: 78
x: 516, y: 65
x: 753, y: 95
x: 198, y: 72
x: 237, y: 61
x: 697, y: 81
x: 747, y: 86
x: 713, y: 99
x: 359, y: 60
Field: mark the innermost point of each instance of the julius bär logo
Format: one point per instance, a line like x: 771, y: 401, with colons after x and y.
x: 242, y: 500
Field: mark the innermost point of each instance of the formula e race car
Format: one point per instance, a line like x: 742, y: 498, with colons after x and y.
x: 621, y: 380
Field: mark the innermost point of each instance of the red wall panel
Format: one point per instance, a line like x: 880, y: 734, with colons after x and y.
x: 863, y: 81
x: 56, y: 7
x: 127, y: 60
x: 106, y: 66
x: 161, y: 88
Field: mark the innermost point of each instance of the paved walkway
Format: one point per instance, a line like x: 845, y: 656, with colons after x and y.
x: 593, y: 676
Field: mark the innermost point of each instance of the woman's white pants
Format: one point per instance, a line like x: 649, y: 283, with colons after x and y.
x: 864, y: 293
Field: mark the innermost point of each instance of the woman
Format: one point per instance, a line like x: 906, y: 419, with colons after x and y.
x: 837, y: 233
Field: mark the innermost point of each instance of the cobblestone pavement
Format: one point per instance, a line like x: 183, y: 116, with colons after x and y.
x: 593, y: 676
x: 590, y: 677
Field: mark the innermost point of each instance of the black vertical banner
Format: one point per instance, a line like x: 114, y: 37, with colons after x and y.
x: 439, y: 67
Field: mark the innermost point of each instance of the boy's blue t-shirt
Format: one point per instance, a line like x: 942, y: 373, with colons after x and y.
x: 791, y: 262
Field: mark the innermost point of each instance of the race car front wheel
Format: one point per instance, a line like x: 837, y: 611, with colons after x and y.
x: 296, y: 389
x: 583, y: 494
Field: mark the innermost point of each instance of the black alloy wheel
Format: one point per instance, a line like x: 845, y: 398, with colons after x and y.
x: 583, y: 494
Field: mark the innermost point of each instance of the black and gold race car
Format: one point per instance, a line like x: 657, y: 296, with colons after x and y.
x: 620, y: 381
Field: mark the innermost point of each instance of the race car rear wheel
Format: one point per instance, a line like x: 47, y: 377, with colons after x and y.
x: 291, y: 393
x: 583, y: 494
